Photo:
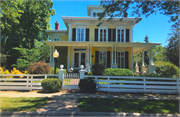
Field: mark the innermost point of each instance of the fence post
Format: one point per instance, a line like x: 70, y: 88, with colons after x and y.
x: 178, y: 85
x: 108, y: 84
x: 144, y: 84
x: 27, y: 81
x: 61, y: 76
x: 31, y: 81
x: 82, y: 73
x: 45, y: 76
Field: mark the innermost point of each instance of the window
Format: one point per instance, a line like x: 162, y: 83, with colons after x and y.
x: 103, y: 35
x: 102, y: 58
x: 80, y: 34
x: 120, y: 35
x: 121, y: 60
x: 94, y: 14
x: 56, y: 39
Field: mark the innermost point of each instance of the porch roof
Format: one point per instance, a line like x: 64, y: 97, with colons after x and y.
x: 137, y: 47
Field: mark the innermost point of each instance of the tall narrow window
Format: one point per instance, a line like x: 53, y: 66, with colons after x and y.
x: 120, y: 35
x: 102, y: 58
x: 80, y: 34
x: 103, y: 34
x: 121, y: 60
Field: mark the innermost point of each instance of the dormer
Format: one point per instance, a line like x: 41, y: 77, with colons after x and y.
x: 92, y: 10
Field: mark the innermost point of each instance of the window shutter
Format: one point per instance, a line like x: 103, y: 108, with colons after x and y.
x: 87, y: 34
x: 96, y: 34
x: 97, y: 57
x: 109, y: 34
x: 108, y: 59
x: 74, y: 34
x: 114, y: 35
x: 127, y: 35
x: 126, y: 59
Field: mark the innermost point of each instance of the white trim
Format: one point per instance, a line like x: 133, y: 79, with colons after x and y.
x: 69, y: 38
x: 105, y: 28
x: 81, y: 27
x: 132, y: 66
x: 132, y: 33
x: 142, y: 58
x: 68, y: 58
x: 120, y: 28
x: 90, y: 54
x: 102, y: 58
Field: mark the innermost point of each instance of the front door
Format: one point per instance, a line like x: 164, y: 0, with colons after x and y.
x: 79, y: 59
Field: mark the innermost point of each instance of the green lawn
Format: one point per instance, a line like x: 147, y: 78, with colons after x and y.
x: 128, y: 105
x: 22, y: 103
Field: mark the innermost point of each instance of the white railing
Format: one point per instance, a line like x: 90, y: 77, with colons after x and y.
x: 136, y: 84
x: 23, y: 81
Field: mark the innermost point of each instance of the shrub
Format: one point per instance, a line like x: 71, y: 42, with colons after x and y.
x: 39, y: 68
x: 139, y: 74
x: 52, y: 70
x: 118, y: 72
x: 166, y: 69
x: 97, y: 69
x: 87, y: 86
x: 51, y: 85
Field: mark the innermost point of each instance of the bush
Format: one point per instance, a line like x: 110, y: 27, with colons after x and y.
x: 87, y: 86
x: 52, y: 70
x: 51, y: 85
x: 139, y: 74
x: 97, y: 69
x: 166, y: 69
x: 39, y: 68
x: 118, y: 72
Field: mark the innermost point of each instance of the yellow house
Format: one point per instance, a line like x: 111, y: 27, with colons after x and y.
x: 83, y: 43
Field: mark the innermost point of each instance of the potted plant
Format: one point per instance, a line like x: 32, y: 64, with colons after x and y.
x: 70, y: 69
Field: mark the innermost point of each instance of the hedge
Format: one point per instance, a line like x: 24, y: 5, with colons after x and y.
x: 117, y: 72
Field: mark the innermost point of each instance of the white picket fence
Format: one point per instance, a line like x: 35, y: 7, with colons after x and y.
x: 136, y: 84
x: 27, y: 82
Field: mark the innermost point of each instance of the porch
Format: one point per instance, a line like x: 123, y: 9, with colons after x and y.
x: 109, y: 54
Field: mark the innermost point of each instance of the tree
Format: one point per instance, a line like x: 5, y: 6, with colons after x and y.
x: 172, y: 49
x: 32, y: 23
x: 119, y: 8
x: 39, y: 53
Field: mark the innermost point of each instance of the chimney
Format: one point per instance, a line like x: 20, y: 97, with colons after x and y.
x: 56, y: 25
x: 125, y: 15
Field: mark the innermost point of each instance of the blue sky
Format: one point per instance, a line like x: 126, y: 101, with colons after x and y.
x: 156, y: 27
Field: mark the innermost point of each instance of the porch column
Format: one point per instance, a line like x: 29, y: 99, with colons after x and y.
x: 68, y: 58
x: 151, y: 66
x: 91, y: 54
x: 132, y: 33
x: 112, y: 55
x: 115, y: 55
x: 143, y: 68
x: 88, y: 54
x: 136, y: 67
x: 132, y: 67
x: 52, y: 54
x: 69, y: 37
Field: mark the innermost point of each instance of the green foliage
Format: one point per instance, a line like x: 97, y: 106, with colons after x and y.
x: 39, y: 68
x: 118, y: 72
x: 22, y: 22
x: 172, y: 49
x: 51, y: 85
x: 52, y: 70
x: 87, y: 86
x: 139, y: 74
x: 97, y: 69
x: 39, y: 53
x: 166, y: 69
x: 89, y: 73
x: 146, y: 39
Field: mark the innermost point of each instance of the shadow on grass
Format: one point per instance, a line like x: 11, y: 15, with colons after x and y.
x: 128, y: 105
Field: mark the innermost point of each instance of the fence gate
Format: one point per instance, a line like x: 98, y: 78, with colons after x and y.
x: 71, y: 80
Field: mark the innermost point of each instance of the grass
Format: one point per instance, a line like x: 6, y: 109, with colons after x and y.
x: 128, y: 105
x: 22, y: 103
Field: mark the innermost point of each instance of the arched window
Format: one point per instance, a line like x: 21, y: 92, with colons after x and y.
x: 94, y: 14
